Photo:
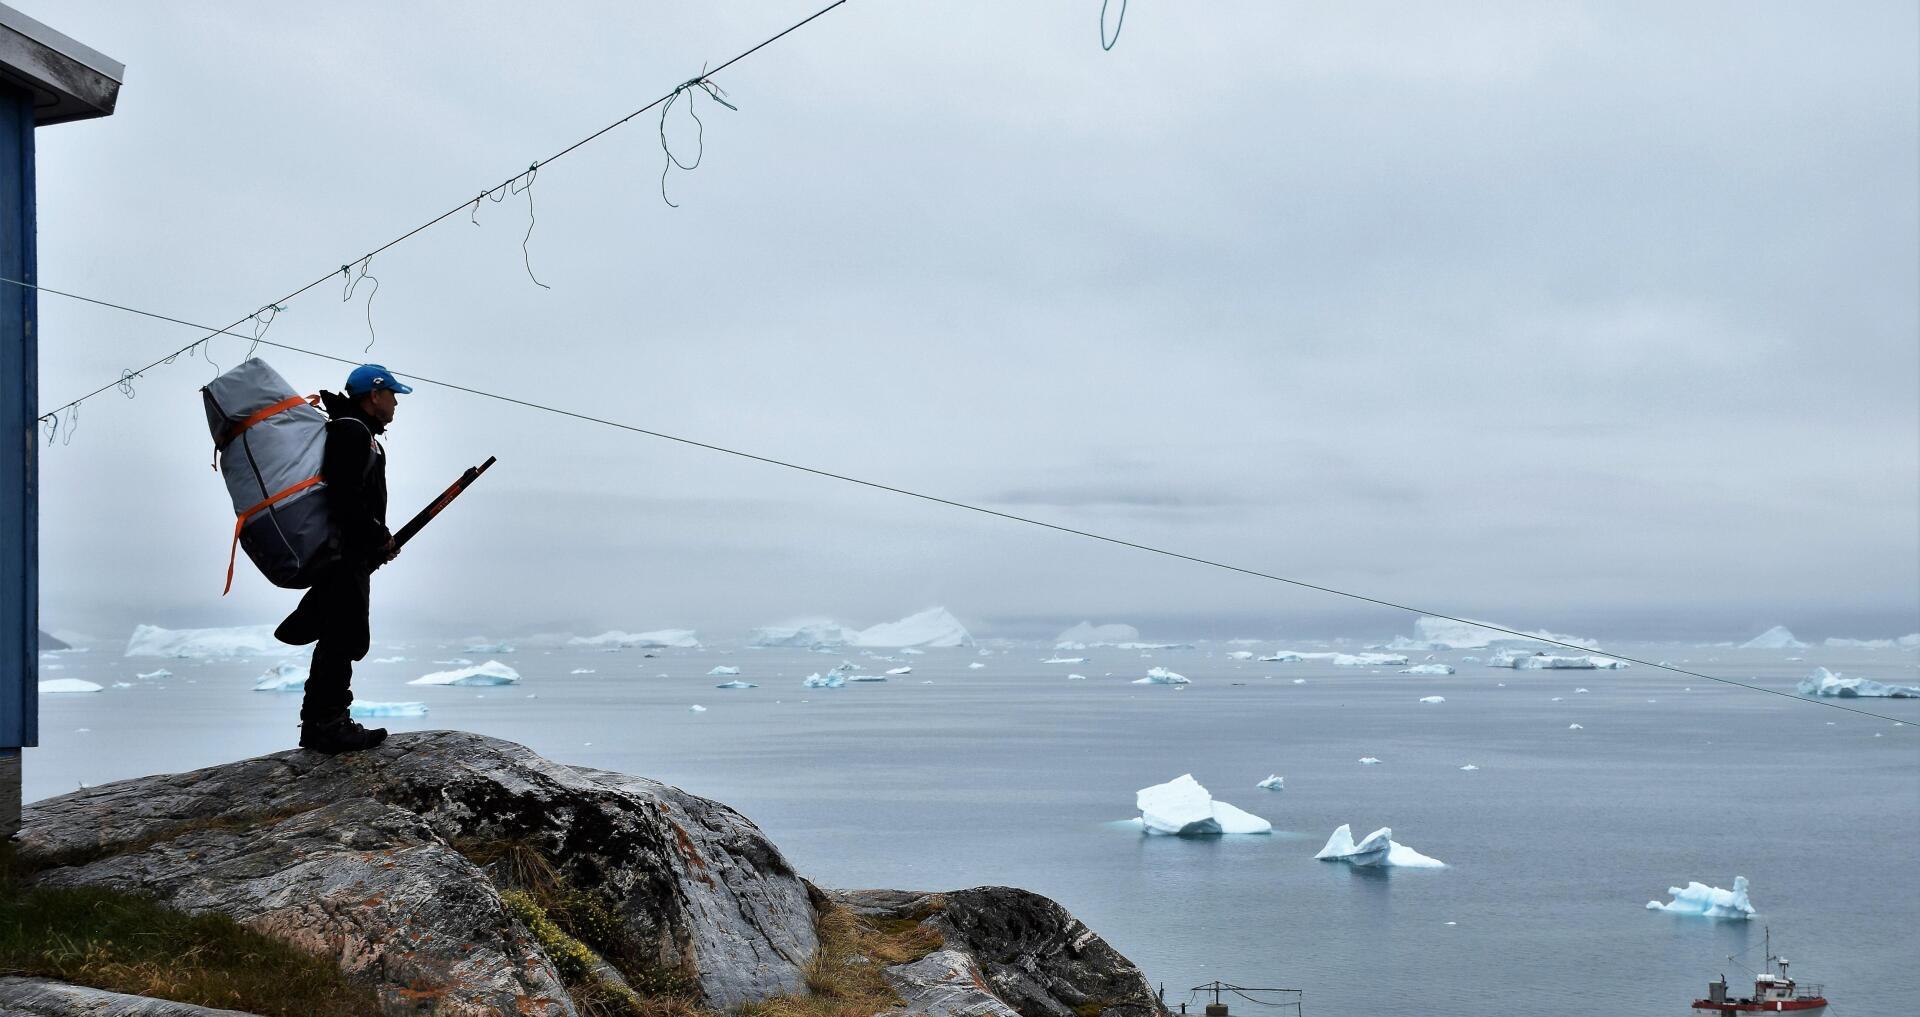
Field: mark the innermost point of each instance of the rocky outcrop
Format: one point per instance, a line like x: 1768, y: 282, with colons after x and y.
x: 360, y: 856
x: 406, y: 864
x: 1036, y: 958
x: 38, y: 997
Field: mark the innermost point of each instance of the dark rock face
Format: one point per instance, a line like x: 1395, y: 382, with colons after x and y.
x: 1036, y: 957
x: 354, y: 856
x: 392, y: 861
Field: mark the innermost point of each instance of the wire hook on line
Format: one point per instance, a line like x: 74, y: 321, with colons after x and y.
x: 495, y: 195
x: 526, y: 257
x: 714, y: 92
x: 260, y: 327
x: 353, y: 283
x: 1106, y: 43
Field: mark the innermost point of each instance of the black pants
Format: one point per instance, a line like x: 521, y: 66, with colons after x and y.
x: 334, y: 617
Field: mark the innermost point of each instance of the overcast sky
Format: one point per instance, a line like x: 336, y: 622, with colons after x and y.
x: 1602, y: 317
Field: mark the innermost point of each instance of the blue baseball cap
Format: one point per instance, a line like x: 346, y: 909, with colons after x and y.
x: 368, y: 377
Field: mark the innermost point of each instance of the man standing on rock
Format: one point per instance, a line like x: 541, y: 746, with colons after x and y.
x: 334, y: 614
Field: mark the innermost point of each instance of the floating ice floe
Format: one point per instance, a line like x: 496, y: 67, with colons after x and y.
x: 483, y: 646
x: 1161, y: 676
x: 1274, y: 782
x: 68, y: 685
x: 1369, y: 760
x: 696, y: 708
x: 1776, y: 638
x: 361, y: 708
x: 899, y: 670
x: 736, y: 685
x: 830, y: 680
x: 1469, y: 767
x: 933, y: 628
x: 1076, y: 677
x: 1183, y: 808
x: 1064, y: 660
x: 1579, y: 692
x: 456, y: 662
x: 1299, y: 681
x: 1707, y: 901
x: 805, y: 633
x: 388, y: 660
x: 1431, y: 633
x: 490, y: 673
x: 123, y: 685
x: 282, y: 678
x: 1829, y: 683
x: 1375, y: 849
x: 1428, y: 669
x: 659, y: 639
x: 244, y: 641
x: 722, y: 670
x: 1522, y: 660
x: 1908, y: 642
x: 1088, y: 634
x: 583, y: 670
x: 975, y: 666
x: 1369, y: 659
x: 866, y: 677
x: 1282, y: 657
x: 1576, y: 727
x: 162, y: 673
x: 1241, y: 655
x: 1433, y: 699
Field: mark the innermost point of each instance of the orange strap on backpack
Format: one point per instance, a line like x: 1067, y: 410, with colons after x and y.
x: 233, y: 549
x: 280, y: 407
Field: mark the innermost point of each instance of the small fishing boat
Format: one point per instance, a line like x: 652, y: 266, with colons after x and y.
x: 1772, y: 993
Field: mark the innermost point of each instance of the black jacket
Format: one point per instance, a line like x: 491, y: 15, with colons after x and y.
x: 355, y: 468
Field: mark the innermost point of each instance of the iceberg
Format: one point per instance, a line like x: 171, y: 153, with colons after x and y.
x: 900, y: 670
x: 1369, y: 760
x: 244, y: 641
x: 361, y: 708
x: 1576, y: 727
x: 68, y: 685
x: 482, y: 646
x: 49, y: 642
x: 805, y: 634
x: 388, y: 660
x: 583, y: 670
x: 1469, y: 767
x: 490, y: 673
x: 1776, y: 638
x: 736, y: 685
x: 1433, y: 699
x: 282, y: 678
x: 1088, y: 634
x: 1161, y: 676
x: 1368, y: 659
x: 659, y: 639
x: 1707, y: 901
x: 162, y: 673
x: 722, y: 670
x: 975, y: 666
x: 1241, y: 655
x: 866, y: 677
x: 1274, y: 782
x: 1525, y: 661
x: 1430, y: 633
x: 1282, y: 657
x: 1183, y: 808
x: 1823, y: 682
x: 696, y: 708
x: 1064, y: 660
x: 831, y: 680
x: 1375, y: 849
x: 1076, y: 677
x: 1429, y: 669
x: 933, y: 628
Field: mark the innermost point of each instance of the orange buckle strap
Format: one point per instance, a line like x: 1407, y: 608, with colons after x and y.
x: 280, y: 407
x: 234, y: 548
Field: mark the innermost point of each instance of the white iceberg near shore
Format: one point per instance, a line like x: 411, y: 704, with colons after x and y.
x: 66, y: 685
x: 242, y: 641
x: 1183, y: 808
x: 1707, y: 901
x: 287, y: 677
x: 1823, y: 682
x: 1161, y: 676
x: 803, y: 633
x: 1428, y: 669
x: 659, y: 639
x: 1375, y: 849
x: 362, y: 708
x: 490, y: 673
x: 933, y: 628
x: 1776, y: 638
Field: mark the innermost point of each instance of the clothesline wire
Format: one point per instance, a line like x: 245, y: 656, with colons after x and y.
x: 126, y: 377
x: 980, y: 509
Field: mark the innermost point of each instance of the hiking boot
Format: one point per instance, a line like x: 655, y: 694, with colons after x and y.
x: 341, y: 734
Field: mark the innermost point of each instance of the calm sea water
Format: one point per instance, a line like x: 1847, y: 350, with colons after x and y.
x: 1012, y: 774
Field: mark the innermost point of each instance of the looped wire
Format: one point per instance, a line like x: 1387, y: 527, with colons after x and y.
x: 52, y: 423
x: 73, y: 424
x: 353, y: 283
x: 1106, y: 43
x: 517, y: 187
x: 260, y: 326
x: 714, y: 92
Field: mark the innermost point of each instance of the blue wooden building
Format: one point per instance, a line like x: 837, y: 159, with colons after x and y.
x: 45, y: 78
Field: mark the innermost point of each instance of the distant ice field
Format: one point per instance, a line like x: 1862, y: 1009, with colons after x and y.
x: 1011, y: 773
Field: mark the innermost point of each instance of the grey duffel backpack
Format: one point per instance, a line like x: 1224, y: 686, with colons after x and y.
x: 268, y: 441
